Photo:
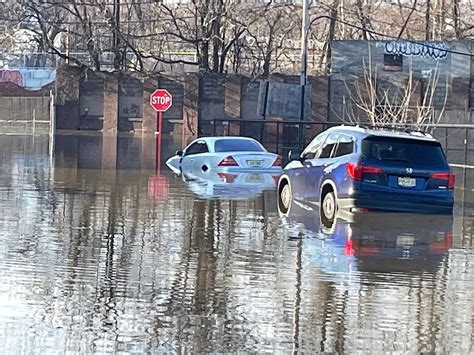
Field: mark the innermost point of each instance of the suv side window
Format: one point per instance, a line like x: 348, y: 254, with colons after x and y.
x: 313, y: 149
x: 345, y: 146
x: 197, y: 148
x: 329, y: 145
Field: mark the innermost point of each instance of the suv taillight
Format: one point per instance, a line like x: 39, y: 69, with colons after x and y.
x: 445, y: 176
x: 228, y: 161
x: 355, y: 171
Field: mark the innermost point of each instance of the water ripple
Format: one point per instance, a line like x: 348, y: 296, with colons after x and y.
x: 92, y: 261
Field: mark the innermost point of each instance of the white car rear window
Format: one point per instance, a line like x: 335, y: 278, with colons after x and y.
x: 237, y: 145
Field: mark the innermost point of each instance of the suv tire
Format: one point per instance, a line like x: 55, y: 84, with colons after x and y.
x: 285, y: 198
x: 328, y: 207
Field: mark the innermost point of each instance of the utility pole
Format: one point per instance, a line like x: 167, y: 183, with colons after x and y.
x: 68, y: 44
x: 304, y: 41
x: 343, y: 26
x: 304, y: 63
x: 116, y: 35
x: 427, y: 20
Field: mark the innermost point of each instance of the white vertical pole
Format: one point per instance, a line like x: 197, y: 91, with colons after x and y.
x: 34, y: 122
x: 52, y: 126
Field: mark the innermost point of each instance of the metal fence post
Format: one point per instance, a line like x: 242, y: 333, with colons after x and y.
x: 34, y: 121
x: 466, y: 137
x: 278, y: 136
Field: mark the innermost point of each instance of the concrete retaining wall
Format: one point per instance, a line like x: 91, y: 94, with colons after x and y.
x: 97, y: 99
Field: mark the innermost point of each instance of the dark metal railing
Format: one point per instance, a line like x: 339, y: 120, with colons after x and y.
x: 283, y: 135
x: 278, y: 134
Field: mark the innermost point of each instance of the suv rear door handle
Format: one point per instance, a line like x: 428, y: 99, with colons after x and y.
x: 308, y: 164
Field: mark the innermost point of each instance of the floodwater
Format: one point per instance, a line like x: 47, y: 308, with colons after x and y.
x: 100, y: 253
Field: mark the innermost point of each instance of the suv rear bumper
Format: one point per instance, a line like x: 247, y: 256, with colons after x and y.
x: 397, y: 203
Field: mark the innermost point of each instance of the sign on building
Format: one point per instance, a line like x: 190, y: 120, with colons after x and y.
x: 425, y: 49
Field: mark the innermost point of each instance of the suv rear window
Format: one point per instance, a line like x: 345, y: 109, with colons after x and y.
x: 237, y: 145
x: 410, y: 151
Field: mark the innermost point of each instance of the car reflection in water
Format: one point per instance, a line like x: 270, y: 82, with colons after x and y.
x: 371, y: 242
x: 221, y: 185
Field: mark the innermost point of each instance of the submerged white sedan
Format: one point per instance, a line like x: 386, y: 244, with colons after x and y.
x: 227, y: 154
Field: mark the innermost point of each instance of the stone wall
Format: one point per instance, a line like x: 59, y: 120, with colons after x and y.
x: 91, y: 102
x: 211, y: 101
x: 67, y: 87
x: 119, y: 103
x: 130, y: 104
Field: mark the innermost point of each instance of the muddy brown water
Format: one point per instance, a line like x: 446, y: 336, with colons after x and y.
x: 99, y: 254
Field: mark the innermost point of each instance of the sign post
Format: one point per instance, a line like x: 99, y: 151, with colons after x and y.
x: 159, y: 122
x: 161, y: 100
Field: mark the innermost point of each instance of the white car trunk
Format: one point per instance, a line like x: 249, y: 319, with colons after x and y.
x: 254, y: 160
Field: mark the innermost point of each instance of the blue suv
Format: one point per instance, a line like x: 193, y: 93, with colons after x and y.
x: 359, y: 169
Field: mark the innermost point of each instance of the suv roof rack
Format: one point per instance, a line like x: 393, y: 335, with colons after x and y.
x: 414, y: 131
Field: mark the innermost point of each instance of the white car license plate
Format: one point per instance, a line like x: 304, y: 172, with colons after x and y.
x: 254, y: 163
x: 406, y: 182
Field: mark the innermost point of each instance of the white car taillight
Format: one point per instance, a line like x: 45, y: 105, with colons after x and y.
x: 228, y: 161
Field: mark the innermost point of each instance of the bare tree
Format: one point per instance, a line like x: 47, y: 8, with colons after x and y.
x: 409, y: 101
x: 268, y: 38
x: 219, y: 35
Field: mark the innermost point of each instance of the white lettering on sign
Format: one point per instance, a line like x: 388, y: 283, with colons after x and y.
x: 160, y: 100
x: 426, y: 49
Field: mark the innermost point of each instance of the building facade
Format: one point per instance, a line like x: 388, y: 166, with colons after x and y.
x: 440, y: 74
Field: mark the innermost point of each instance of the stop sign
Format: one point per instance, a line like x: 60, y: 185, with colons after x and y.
x: 161, y: 100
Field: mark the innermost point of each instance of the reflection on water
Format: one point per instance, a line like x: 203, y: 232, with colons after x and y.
x: 101, y: 253
x: 223, y: 185
x: 375, y: 242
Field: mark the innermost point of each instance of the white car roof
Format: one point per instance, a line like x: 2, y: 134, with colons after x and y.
x: 212, y: 140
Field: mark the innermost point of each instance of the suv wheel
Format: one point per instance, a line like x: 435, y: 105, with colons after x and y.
x: 329, y: 206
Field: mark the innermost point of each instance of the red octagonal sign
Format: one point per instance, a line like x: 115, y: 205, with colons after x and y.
x: 161, y: 100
